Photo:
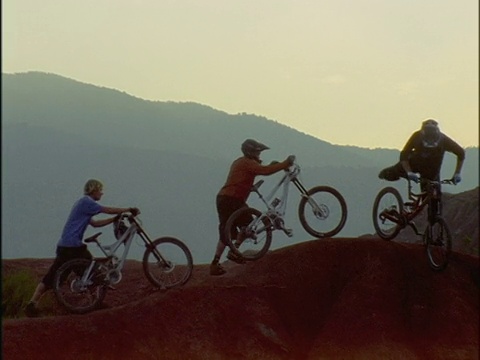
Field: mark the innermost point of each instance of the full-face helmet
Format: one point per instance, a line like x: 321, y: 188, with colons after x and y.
x: 251, y: 147
x: 431, y: 133
x: 119, y: 228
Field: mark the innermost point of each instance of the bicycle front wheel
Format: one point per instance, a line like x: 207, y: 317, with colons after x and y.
x: 76, y: 290
x: 322, y: 212
x: 249, y: 233
x: 167, y: 263
x: 438, y: 241
x: 387, y: 209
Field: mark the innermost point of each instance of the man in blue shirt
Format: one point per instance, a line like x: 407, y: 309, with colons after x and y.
x: 70, y: 246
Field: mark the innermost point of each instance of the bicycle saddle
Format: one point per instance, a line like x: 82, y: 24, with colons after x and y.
x: 92, y: 238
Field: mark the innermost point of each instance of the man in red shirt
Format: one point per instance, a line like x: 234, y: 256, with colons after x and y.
x: 233, y: 195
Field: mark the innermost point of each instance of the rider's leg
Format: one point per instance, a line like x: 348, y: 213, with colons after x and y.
x: 392, y: 173
x: 240, y: 238
x: 219, y: 251
x: 39, y: 291
x: 62, y: 256
x: 226, y: 206
x: 31, y: 309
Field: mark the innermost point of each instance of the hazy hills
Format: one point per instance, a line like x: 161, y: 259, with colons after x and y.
x: 113, y: 118
x: 169, y: 159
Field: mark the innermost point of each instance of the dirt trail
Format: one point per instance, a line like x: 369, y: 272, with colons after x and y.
x: 328, y: 299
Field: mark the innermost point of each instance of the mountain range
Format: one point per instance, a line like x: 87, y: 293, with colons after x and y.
x: 167, y: 158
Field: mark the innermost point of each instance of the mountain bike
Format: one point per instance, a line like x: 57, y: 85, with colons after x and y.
x: 391, y: 214
x: 322, y: 212
x: 80, y: 285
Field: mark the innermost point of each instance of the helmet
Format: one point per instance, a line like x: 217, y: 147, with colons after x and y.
x: 119, y: 228
x: 250, y: 147
x: 431, y: 133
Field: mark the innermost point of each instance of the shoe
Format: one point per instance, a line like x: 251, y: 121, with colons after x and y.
x: 235, y: 258
x: 31, y: 310
x: 216, y: 269
x: 381, y: 174
x: 388, y: 174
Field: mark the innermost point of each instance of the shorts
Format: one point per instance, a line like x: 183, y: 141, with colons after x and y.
x: 64, y: 254
x: 226, y: 206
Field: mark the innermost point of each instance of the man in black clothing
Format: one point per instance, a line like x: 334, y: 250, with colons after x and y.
x: 422, y: 156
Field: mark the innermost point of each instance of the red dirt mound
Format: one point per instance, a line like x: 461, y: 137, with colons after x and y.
x: 322, y: 299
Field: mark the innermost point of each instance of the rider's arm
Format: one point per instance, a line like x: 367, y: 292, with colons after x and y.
x: 453, y: 147
x: 115, y: 210
x: 406, y: 166
x: 102, y: 222
x: 406, y: 151
x: 458, y: 167
x: 111, y: 210
x: 259, y: 169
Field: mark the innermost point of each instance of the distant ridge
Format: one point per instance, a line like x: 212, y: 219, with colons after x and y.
x: 167, y: 158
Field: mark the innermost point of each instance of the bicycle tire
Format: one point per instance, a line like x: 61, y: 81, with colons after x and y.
x: 76, y: 297
x: 387, y: 199
x: 334, y: 212
x: 177, y: 268
x: 438, y: 244
x: 256, y: 243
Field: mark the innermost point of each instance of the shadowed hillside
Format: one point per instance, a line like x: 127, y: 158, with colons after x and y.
x: 322, y: 299
x: 461, y: 213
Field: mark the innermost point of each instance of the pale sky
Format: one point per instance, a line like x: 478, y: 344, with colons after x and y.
x: 350, y: 72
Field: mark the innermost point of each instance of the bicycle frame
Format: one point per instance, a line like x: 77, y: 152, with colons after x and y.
x: 277, y: 206
x: 111, y: 249
x: 81, y: 284
x: 418, y: 203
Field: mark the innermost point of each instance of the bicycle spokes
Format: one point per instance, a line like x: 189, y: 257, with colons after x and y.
x: 249, y: 232
x: 322, y: 211
x: 390, y: 214
x: 438, y: 241
x: 167, y: 263
x: 387, y: 213
x: 76, y: 286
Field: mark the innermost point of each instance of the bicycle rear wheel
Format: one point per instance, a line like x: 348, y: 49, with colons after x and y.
x: 438, y: 241
x: 167, y: 263
x: 77, y: 294
x: 387, y: 207
x: 323, y: 212
x: 253, y: 229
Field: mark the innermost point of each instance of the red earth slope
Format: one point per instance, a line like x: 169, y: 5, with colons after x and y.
x: 322, y: 299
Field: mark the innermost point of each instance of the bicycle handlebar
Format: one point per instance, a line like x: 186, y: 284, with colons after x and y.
x: 428, y: 181
x: 130, y: 215
x: 293, y: 169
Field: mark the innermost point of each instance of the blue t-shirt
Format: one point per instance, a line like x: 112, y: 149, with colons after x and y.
x: 83, y: 210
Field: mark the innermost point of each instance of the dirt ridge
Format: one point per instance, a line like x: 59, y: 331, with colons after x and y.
x: 330, y: 298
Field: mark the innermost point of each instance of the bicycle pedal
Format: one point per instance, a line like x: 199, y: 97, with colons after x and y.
x: 288, y: 232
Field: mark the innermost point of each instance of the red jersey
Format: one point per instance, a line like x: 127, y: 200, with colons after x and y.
x: 242, y: 175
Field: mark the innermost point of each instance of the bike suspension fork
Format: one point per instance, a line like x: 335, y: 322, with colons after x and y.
x: 300, y: 186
